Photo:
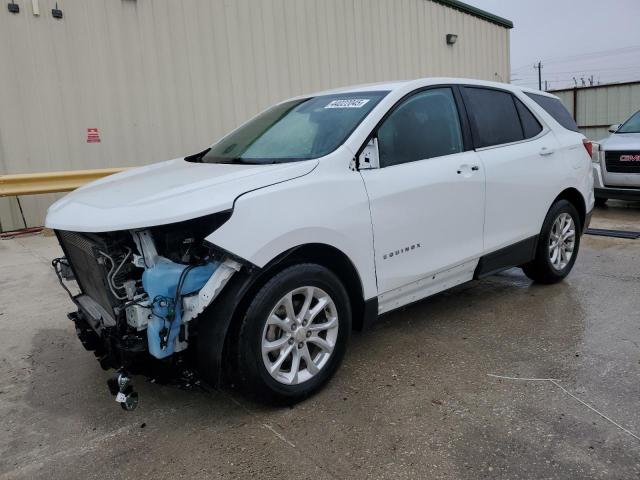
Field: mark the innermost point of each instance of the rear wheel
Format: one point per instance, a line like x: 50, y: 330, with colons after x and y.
x: 294, y: 334
x: 558, y: 245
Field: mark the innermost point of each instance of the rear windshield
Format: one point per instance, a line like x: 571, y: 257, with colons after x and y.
x: 554, y: 107
x: 296, y: 130
x: 632, y: 125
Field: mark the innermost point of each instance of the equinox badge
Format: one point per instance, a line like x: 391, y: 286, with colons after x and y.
x: 402, y: 250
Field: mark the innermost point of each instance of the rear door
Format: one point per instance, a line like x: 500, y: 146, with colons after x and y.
x: 427, y: 197
x: 523, y: 171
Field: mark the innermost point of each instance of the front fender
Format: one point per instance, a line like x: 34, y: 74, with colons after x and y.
x: 329, y: 206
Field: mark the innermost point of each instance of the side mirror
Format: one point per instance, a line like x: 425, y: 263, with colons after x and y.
x: 369, y: 157
x: 614, y: 128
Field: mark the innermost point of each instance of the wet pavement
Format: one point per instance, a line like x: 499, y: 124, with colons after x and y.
x: 414, y: 398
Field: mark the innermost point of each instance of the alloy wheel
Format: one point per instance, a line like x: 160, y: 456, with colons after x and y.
x: 300, y: 335
x: 562, y: 241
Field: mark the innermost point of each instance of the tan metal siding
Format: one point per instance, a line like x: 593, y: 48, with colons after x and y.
x: 164, y: 79
x: 599, y: 107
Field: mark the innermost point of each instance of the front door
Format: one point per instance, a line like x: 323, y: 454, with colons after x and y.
x: 427, y: 196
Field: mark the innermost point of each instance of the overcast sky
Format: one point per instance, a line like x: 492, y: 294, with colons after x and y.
x: 572, y: 38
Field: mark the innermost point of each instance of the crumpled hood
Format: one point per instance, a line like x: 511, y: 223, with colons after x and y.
x: 164, y: 193
x: 621, y: 141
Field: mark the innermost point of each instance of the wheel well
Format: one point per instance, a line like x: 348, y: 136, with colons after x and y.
x: 333, y: 259
x: 574, y: 197
x: 325, y: 255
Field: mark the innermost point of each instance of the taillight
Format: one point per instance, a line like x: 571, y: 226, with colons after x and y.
x: 588, y: 146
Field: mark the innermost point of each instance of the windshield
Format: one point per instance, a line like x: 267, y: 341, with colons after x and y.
x: 632, y: 125
x: 295, y: 130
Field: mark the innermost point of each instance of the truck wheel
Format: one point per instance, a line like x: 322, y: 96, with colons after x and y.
x: 294, y: 334
x: 558, y: 245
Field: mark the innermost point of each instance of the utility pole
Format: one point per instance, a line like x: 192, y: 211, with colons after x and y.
x: 539, y: 68
x: 546, y: 85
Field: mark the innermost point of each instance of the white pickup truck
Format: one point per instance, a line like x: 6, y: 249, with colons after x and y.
x: 616, y: 168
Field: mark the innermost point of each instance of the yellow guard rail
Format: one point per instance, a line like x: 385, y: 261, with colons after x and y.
x: 35, y: 183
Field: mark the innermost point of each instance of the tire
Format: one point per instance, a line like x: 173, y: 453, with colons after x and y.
x: 546, y: 267
x: 267, y: 333
x: 601, y: 202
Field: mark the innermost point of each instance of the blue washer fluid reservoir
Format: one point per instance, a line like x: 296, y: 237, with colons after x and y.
x: 161, y: 280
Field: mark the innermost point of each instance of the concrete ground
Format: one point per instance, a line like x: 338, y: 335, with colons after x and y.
x: 413, y: 399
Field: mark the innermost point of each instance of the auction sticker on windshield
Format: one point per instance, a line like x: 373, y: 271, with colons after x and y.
x: 348, y: 103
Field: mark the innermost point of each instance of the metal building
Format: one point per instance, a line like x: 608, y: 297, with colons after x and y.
x: 597, y: 107
x: 128, y: 82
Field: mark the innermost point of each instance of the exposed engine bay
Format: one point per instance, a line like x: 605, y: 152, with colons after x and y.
x: 141, y: 292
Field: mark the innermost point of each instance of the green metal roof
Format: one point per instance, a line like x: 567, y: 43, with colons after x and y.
x: 476, y: 12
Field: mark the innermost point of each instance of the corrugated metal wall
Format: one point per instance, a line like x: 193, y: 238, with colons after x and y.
x: 162, y: 79
x: 601, y: 106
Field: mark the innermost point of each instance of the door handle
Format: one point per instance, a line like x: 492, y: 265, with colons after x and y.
x: 465, y: 169
x: 544, y: 151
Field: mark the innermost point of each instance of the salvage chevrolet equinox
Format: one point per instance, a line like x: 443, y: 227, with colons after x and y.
x: 251, y: 262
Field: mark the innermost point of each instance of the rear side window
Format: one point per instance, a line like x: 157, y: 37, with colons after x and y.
x: 530, y: 125
x: 493, y: 116
x: 554, y: 107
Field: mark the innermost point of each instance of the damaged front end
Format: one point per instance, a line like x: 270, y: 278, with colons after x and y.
x: 141, y: 292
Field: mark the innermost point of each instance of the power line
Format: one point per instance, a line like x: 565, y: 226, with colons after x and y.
x: 581, y: 56
x: 572, y: 81
x: 579, y: 70
x: 576, y: 75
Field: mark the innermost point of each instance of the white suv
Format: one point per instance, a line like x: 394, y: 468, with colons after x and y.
x: 261, y: 253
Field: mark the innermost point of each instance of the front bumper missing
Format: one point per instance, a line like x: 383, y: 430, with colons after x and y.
x: 118, y: 347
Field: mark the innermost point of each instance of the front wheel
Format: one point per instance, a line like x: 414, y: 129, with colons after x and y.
x: 294, y: 334
x: 558, y: 245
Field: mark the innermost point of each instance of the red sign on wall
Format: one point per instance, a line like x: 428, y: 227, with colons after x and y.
x: 93, y: 136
